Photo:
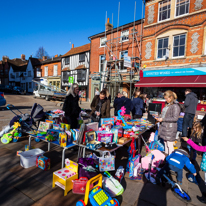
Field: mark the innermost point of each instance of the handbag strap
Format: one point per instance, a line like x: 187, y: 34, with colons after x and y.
x: 105, y: 152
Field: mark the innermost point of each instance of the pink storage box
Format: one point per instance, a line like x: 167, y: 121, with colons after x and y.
x: 158, y: 159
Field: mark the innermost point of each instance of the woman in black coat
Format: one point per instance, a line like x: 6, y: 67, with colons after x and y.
x: 71, y: 106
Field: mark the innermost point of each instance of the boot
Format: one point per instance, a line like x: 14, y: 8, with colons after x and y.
x: 202, y: 199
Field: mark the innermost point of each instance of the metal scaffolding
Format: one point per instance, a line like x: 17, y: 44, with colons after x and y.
x: 112, y: 75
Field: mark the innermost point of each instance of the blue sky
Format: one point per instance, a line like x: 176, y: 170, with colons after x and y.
x: 26, y: 25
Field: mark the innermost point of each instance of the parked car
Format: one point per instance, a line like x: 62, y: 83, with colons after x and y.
x: 2, y: 99
x: 2, y: 88
x: 18, y: 90
x: 8, y: 88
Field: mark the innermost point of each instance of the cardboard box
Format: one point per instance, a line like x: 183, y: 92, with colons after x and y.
x: 44, y: 126
x: 122, y: 140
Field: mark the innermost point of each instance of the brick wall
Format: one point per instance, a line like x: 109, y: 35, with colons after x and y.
x: 51, y: 68
x: 96, y: 50
x: 193, y: 24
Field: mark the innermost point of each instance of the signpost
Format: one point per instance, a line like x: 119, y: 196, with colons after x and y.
x: 71, y: 79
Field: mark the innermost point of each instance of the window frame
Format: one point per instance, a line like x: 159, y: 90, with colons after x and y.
x: 102, y: 62
x: 56, y: 70
x: 122, y: 36
x: 159, y: 12
x: 175, y: 16
x: 84, y: 57
x: 176, y: 57
x: 101, y: 42
x: 162, y: 48
x: 122, y: 62
x: 45, y: 71
x: 66, y: 63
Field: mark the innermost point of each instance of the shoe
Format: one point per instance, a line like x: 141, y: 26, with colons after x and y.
x: 202, y: 199
x: 179, y: 183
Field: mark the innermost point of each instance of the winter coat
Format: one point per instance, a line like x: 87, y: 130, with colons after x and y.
x: 168, y: 126
x: 105, y: 108
x: 179, y: 158
x: 196, y: 140
x: 196, y: 147
x: 138, y: 105
x: 123, y: 101
x: 71, y: 106
x: 190, y: 103
x: 179, y: 124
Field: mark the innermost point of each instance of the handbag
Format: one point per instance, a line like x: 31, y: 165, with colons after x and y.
x: 106, y: 163
x: 87, y: 168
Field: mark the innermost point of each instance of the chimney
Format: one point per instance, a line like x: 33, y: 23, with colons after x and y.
x: 23, y: 57
x: 44, y: 58
x: 56, y: 55
x: 72, y: 46
x: 108, y: 25
x: 5, y: 58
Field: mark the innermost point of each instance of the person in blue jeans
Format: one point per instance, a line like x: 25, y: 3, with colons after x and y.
x: 176, y: 162
x: 190, y: 104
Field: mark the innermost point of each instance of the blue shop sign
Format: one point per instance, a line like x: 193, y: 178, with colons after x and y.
x: 175, y: 72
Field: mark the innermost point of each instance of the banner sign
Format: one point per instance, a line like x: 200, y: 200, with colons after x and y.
x: 127, y: 61
x: 175, y: 72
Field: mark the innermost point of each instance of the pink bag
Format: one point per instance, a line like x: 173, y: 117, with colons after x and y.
x: 158, y: 159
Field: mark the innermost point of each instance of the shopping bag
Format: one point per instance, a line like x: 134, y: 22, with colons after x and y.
x: 106, y: 163
x: 87, y: 168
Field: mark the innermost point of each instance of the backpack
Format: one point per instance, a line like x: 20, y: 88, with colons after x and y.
x: 203, y: 162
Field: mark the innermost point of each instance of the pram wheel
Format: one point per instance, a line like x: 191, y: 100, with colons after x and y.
x: 182, y: 196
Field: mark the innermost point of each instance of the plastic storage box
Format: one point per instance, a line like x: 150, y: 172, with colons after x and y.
x: 28, y: 158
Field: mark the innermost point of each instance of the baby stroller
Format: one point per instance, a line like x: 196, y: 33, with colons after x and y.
x: 28, y: 122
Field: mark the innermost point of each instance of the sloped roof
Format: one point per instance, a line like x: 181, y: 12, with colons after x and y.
x: 52, y: 60
x: 18, y: 64
x: 81, y: 67
x: 66, y: 69
x: 35, y: 61
x: 77, y: 50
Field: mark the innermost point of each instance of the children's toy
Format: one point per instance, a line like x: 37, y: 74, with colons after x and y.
x: 111, y: 185
x: 79, y: 185
x: 43, y: 162
x: 97, y: 196
x: 52, y: 135
x: 50, y: 121
x: 107, y: 121
x: 63, y: 177
x: 120, y: 113
x: 132, y: 164
x: 69, y: 136
x: 28, y: 158
x: 56, y: 126
x: 105, y: 137
x: 119, y: 173
x: 6, y: 138
x: 106, y: 127
x: 177, y: 190
x: 137, y: 172
x: 26, y: 148
x: 44, y: 126
x: 94, y: 145
x: 18, y: 152
x: 148, y: 175
x: 62, y: 139
x: 106, y: 163
x: 156, y: 145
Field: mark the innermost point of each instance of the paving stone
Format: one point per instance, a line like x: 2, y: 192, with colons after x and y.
x: 143, y: 203
x: 193, y: 192
x: 172, y: 200
x: 125, y: 204
x: 57, y: 198
x: 4, y: 151
x: 14, y: 197
x: 32, y: 188
x: 132, y: 191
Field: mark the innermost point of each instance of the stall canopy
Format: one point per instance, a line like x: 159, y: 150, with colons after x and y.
x: 181, y: 81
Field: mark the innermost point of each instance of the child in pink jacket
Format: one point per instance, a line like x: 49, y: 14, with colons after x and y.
x: 201, y: 149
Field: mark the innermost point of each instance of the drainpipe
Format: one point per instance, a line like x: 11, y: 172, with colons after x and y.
x: 89, y: 68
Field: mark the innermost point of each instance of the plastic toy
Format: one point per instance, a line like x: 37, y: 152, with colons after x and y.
x: 43, y: 162
x: 94, y: 145
x: 119, y: 173
x: 105, y: 137
x: 79, y: 185
x: 63, y: 139
x: 120, y: 113
x: 107, y: 121
x: 97, y: 197
x: 111, y: 185
x: 9, y: 136
x: 44, y: 126
x: 63, y: 177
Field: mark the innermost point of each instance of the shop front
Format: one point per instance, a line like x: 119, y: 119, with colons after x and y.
x: 156, y: 82
x: 55, y: 82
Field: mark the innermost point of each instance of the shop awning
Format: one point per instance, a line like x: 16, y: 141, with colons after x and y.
x: 181, y: 81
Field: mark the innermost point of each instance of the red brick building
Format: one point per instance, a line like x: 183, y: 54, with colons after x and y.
x: 109, y: 51
x: 174, y: 46
x: 4, y: 71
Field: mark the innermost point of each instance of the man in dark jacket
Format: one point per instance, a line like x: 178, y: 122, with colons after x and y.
x: 123, y: 101
x: 100, y: 107
x: 71, y: 106
x: 190, y: 104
